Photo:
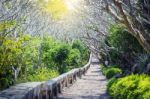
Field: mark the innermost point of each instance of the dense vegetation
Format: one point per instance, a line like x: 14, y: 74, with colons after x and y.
x: 38, y: 41
x: 126, y: 47
x: 128, y: 70
x: 33, y: 46
x: 130, y: 87
x: 26, y: 58
x: 111, y: 71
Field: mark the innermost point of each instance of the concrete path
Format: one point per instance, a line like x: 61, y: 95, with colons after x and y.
x: 90, y: 86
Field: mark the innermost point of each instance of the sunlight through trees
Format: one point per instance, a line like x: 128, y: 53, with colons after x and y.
x: 41, y: 39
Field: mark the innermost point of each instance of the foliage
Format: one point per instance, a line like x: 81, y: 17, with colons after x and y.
x: 42, y: 74
x: 141, y: 66
x: 12, y: 55
x: 4, y: 83
x: 136, y: 27
x: 74, y: 59
x: 115, y: 56
x: 126, y: 52
x: 7, y: 25
x: 35, y: 59
x: 124, y: 44
x: 59, y: 55
x: 82, y: 48
x: 122, y: 40
x: 130, y: 87
x: 47, y: 44
x: 110, y: 82
x: 56, y: 8
x: 111, y: 71
x: 143, y: 59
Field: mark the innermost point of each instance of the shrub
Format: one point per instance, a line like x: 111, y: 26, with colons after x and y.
x: 111, y: 71
x: 103, y: 69
x: 42, y: 75
x: 82, y: 48
x: 111, y: 81
x: 59, y: 55
x: 36, y: 58
x: 4, y: 83
x: 130, y: 87
x: 74, y: 58
x: 78, y: 45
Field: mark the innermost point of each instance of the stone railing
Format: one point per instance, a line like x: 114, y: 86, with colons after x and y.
x: 46, y: 89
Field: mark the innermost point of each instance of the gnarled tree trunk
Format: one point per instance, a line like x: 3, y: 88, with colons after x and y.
x: 131, y: 19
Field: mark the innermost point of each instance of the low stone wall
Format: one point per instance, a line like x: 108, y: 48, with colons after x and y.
x: 46, y: 89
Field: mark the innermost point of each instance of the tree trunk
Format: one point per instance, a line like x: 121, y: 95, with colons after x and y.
x: 139, y: 33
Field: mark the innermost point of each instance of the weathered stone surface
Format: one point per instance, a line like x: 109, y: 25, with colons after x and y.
x: 19, y: 91
x: 91, y: 86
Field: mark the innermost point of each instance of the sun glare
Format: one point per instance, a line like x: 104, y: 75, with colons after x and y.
x: 72, y: 4
x: 59, y: 8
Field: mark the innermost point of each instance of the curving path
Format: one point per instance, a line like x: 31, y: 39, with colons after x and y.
x: 90, y: 86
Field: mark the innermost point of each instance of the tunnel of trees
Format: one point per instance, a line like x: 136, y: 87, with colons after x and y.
x: 41, y: 39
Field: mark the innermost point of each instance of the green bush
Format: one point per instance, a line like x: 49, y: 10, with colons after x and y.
x: 42, y: 74
x: 59, y: 55
x: 74, y: 58
x: 82, y: 48
x: 47, y: 44
x: 37, y: 58
x: 78, y: 45
x: 130, y: 87
x: 103, y: 69
x: 111, y: 81
x: 4, y: 83
x: 110, y: 71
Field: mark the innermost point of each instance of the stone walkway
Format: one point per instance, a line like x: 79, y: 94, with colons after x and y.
x: 90, y: 86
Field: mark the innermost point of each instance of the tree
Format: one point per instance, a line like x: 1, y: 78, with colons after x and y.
x: 126, y: 47
x: 59, y: 55
x: 128, y: 14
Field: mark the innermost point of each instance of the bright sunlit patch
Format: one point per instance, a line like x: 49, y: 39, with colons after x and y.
x: 46, y: 1
x: 72, y: 4
x: 56, y: 8
x: 59, y: 8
